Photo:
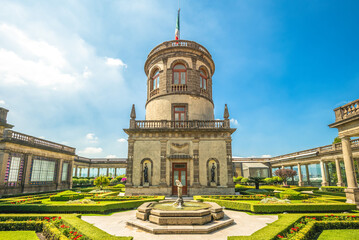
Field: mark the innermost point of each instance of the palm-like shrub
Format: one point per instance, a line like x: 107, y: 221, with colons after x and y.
x: 256, y: 181
x: 101, y: 182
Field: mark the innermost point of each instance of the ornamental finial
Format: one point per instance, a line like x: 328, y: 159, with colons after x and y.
x: 226, y: 113
x: 133, y: 112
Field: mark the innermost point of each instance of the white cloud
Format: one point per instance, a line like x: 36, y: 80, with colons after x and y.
x: 111, y: 156
x: 115, y: 62
x: 234, y: 121
x: 266, y: 156
x: 42, y: 137
x: 91, y: 138
x: 2, y: 102
x: 121, y: 140
x: 91, y: 150
x: 25, y: 60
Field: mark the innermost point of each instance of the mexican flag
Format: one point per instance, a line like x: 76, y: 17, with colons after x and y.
x: 177, y: 32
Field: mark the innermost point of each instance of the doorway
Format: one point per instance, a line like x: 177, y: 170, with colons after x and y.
x: 179, y: 172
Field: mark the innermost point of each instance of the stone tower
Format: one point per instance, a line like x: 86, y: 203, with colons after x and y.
x: 179, y: 140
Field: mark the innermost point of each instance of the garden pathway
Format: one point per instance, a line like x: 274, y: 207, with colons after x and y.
x: 244, y: 224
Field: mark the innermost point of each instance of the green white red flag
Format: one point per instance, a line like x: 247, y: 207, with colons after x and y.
x: 177, y: 32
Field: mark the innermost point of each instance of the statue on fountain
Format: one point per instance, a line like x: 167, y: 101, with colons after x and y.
x: 179, y: 201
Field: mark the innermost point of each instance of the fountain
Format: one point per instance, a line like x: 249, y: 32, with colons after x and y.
x: 179, y: 201
x: 169, y: 217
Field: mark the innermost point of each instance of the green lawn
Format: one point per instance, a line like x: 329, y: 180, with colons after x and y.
x: 347, y: 234
x: 18, y: 235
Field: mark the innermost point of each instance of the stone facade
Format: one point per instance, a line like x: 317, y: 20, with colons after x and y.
x: 168, y: 146
x: 21, y: 157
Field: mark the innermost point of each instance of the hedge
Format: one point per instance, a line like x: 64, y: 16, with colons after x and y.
x: 66, y: 196
x: 49, y: 230
x: 271, y: 230
x: 278, y: 208
x: 75, y: 208
x: 73, y: 220
x: 332, y: 189
x: 306, y: 189
x: 286, y: 221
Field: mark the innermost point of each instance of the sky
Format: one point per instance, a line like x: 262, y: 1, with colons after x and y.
x: 71, y: 70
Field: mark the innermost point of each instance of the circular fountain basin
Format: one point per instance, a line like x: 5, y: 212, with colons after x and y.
x: 188, y: 206
x: 195, y: 217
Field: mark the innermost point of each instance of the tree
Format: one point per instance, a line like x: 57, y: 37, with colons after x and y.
x: 285, y: 174
x: 101, y: 182
x: 337, y: 140
x: 256, y: 181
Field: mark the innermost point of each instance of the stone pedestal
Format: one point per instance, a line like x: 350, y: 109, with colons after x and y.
x: 213, y: 184
x: 146, y: 184
x: 352, y: 195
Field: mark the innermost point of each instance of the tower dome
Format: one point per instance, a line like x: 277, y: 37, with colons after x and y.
x: 179, y: 82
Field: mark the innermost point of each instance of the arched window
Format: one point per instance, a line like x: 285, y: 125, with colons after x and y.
x: 155, y: 81
x: 179, y: 74
x: 203, y: 79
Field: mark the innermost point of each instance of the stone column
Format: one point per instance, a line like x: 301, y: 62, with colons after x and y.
x: 98, y: 172
x: 195, y: 163
x: 230, y: 182
x: 339, y: 173
x: 300, y: 181
x: 70, y: 173
x: 129, y: 169
x: 107, y: 172
x: 76, y: 171
x: 88, y: 172
x: 352, y: 192
x: 307, y: 172
x: 59, y: 174
x: 322, y: 170
x: 163, y: 163
x: 27, y: 169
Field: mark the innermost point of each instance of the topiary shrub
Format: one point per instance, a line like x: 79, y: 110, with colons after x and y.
x: 244, y: 180
x: 101, y: 182
x: 66, y: 196
x: 237, y: 179
x: 268, y: 180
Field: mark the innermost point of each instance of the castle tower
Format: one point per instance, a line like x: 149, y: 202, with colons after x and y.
x: 179, y: 140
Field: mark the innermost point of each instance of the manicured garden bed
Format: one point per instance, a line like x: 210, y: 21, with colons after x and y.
x: 306, y: 205
x: 56, y: 227
x: 346, y: 234
x: 303, y: 227
x: 18, y: 235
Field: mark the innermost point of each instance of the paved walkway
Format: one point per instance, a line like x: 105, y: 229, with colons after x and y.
x: 244, y: 224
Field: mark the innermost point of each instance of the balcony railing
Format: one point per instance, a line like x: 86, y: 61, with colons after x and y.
x: 179, y: 43
x: 347, y: 110
x: 179, y: 87
x: 12, y: 135
x: 195, y: 124
x: 314, y: 151
x: 154, y: 92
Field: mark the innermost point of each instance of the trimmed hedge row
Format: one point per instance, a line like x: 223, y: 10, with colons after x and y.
x: 277, y: 208
x: 49, y: 230
x: 76, y: 208
x: 332, y: 189
x: 87, y: 230
x: 66, y: 196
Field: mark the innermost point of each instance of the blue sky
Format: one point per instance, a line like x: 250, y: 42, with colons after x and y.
x: 70, y: 70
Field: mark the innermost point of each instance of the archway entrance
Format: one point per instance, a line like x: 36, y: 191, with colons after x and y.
x: 179, y: 171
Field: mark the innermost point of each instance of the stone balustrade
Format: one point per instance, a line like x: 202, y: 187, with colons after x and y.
x: 348, y: 110
x: 315, y: 151
x: 195, y: 124
x: 179, y: 43
x: 10, y: 135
